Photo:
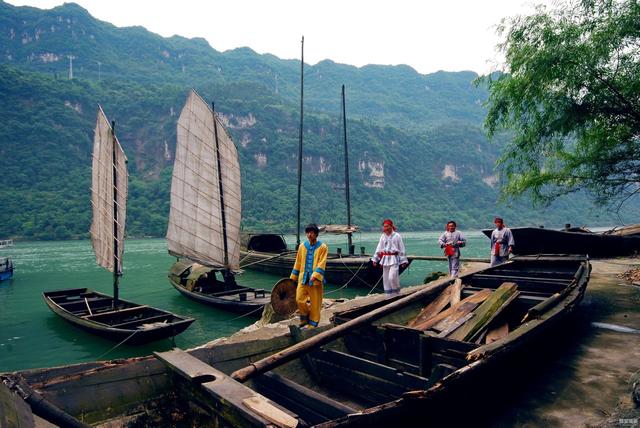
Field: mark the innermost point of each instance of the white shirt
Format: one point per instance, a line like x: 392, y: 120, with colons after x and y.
x: 390, y: 244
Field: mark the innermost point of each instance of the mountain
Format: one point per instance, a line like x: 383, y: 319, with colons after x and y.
x: 417, y: 150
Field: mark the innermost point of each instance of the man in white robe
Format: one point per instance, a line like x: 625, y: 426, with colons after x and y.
x: 390, y: 254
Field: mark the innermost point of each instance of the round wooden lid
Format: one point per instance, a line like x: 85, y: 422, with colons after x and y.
x: 283, y: 297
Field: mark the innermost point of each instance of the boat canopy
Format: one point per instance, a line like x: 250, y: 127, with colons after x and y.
x: 198, y: 196
x: 108, y: 157
x: 338, y: 229
x: 264, y: 242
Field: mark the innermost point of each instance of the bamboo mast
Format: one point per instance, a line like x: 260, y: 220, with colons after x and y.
x: 346, y: 172
x: 117, y: 271
x: 300, y: 140
x: 221, y: 187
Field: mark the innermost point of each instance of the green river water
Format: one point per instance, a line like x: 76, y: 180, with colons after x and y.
x: 33, y: 336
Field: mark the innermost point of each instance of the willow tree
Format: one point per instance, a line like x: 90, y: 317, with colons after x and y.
x: 570, y: 95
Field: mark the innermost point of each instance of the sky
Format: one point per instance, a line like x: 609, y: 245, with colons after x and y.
x: 450, y: 35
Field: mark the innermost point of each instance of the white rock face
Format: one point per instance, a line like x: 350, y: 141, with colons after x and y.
x: 449, y: 171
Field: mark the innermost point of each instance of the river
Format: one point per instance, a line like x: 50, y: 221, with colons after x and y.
x: 32, y: 336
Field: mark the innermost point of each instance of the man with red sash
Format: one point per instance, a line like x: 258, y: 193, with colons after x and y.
x: 391, y: 256
x: 501, y: 242
x: 308, y: 270
x: 451, y: 241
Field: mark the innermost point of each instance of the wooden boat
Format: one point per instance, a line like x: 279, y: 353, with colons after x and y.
x: 97, y: 313
x: 268, y: 252
x: 370, y: 369
x: 6, y: 268
x: 205, y: 213
x: 200, y: 283
x: 538, y: 240
x: 131, y: 322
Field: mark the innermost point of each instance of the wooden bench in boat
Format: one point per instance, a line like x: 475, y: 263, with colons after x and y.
x: 113, y: 312
x: 238, y: 291
x: 157, y: 318
x: 525, y: 284
x: 240, y: 402
x: 315, y: 408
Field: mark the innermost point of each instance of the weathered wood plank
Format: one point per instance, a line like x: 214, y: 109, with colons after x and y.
x: 187, y: 366
x: 497, y: 333
x: 433, y: 308
x: 478, y: 297
x: 456, y: 289
x: 452, y: 326
x: 264, y: 408
x: 486, y: 312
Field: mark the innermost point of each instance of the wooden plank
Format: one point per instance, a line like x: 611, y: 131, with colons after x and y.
x: 460, y: 311
x: 497, y: 333
x: 451, y: 327
x: 296, y: 394
x: 264, y: 408
x: 119, y: 311
x: 486, y: 312
x: 478, y: 297
x: 491, y: 319
x: 229, y: 397
x: 187, y: 366
x: 433, y: 308
x: 456, y: 289
x: 141, y: 321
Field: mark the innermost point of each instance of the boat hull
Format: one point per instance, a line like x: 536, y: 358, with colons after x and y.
x: 536, y: 240
x: 132, y: 324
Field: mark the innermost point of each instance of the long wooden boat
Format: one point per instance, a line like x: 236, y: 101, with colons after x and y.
x: 268, y: 252
x: 201, y: 283
x: 539, y: 240
x: 370, y: 369
x: 109, y: 316
x: 130, y: 322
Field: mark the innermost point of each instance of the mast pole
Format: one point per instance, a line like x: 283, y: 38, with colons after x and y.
x: 346, y: 171
x: 117, y: 271
x: 222, y: 206
x: 300, y: 141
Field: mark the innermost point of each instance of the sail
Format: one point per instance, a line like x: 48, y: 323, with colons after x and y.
x: 107, y: 227
x: 195, y: 229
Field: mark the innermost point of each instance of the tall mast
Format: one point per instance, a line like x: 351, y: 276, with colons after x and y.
x: 300, y: 140
x: 117, y: 266
x: 346, y: 171
x: 222, y: 207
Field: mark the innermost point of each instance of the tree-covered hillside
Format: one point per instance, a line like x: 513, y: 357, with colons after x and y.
x: 417, y: 150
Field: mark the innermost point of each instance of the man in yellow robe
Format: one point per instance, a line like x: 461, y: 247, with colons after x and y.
x: 308, y: 270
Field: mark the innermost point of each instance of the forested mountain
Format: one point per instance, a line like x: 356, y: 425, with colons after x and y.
x: 417, y: 149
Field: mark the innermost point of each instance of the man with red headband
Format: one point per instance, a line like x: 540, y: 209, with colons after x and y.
x: 390, y: 255
x: 501, y: 242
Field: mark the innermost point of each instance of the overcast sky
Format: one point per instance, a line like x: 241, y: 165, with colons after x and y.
x: 449, y: 35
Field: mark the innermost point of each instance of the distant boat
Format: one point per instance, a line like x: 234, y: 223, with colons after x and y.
x: 205, y: 213
x: 99, y: 313
x: 6, y: 243
x: 6, y: 268
x: 538, y: 240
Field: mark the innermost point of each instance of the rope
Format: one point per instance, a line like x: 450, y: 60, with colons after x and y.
x: 105, y: 353
x: 265, y: 260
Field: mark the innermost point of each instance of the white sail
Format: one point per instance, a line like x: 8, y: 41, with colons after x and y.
x: 107, y: 227
x: 195, y: 229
